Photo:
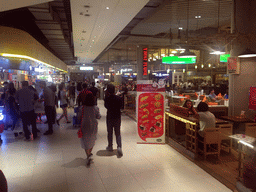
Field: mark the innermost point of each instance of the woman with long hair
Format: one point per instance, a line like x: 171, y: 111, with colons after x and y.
x: 62, y: 96
x: 191, y: 110
x: 89, y: 113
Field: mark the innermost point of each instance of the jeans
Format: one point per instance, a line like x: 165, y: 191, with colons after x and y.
x: 50, y: 114
x: 116, y: 124
x: 28, y: 117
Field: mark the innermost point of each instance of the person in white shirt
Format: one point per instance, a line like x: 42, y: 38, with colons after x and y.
x: 206, y: 118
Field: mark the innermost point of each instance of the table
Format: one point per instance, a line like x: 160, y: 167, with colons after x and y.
x: 237, y: 119
x: 238, y: 123
x: 243, y: 141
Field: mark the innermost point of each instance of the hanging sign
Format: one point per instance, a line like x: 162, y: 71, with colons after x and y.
x: 145, y: 61
x: 150, y: 112
x: 252, y: 98
x: 233, y: 65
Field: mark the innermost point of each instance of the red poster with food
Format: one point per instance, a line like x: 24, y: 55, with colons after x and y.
x: 151, y: 116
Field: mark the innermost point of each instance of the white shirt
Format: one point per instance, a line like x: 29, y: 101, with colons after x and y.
x: 206, y: 120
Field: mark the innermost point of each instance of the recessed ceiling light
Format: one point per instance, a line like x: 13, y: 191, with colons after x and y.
x: 92, y: 40
x: 180, y: 28
x: 198, y: 17
x: 107, y: 7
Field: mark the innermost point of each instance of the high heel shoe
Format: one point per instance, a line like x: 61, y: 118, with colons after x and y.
x: 58, y: 123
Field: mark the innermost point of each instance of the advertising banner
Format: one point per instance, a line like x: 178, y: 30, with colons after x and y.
x: 252, y: 98
x: 150, y: 112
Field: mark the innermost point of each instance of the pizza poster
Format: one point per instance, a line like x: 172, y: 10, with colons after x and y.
x: 150, y: 116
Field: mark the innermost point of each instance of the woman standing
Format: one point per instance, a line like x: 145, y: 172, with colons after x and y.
x: 62, y: 96
x: 89, y: 113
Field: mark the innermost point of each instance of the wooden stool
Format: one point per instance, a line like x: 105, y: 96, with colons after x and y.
x: 225, y: 131
x: 250, y: 129
x: 211, y: 137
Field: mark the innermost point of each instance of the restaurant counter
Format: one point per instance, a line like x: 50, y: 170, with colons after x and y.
x: 183, y: 129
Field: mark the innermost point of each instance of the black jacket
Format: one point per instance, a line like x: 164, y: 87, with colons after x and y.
x: 113, y: 105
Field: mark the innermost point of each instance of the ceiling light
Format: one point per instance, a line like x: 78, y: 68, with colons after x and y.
x: 184, y: 70
x: 174, y: 51
x: 247, y: 53
x: 202, y: 66
x: 217, y: 53
x: 195, y: 66
x: 107, y: 7
x: 180, y: 28
x: 187, y: 54
x: 92, y: 40
x: 198, y: 16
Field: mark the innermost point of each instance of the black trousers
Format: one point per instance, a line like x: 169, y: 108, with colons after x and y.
x: 50, y: 114
x: 114, y: 124
x: 28, y: 117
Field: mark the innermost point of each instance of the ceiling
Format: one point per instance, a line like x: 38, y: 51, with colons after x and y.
x: 86, y: 32
x: 161, y: 28
x: 97, y: 23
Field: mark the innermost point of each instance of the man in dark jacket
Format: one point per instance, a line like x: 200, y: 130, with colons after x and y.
x: 94, y: 91
x: 26, y: 98
x: 113, y: 104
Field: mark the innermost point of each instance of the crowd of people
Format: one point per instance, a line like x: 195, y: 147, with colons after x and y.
x: 22, y: 104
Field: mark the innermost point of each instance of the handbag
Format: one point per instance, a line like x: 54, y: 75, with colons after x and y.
x: 80, y: 133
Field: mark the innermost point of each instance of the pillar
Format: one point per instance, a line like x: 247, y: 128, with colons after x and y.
x: 239, y: 85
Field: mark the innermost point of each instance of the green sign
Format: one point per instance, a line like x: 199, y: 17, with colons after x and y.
x: 178, y: 60
x: 224, y: 57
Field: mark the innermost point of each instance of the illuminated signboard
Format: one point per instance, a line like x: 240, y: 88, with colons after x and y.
x: 86, y: 68
x: 145, y: 61
x: 224, y: 57
x: 178, y: 60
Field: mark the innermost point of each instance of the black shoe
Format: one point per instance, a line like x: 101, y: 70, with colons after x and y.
x: 58, y: 122
x: 16, y: 134
x: 37, y: 130
x: 68, y: 122
x: 48, y: 133
x: 45, y: 122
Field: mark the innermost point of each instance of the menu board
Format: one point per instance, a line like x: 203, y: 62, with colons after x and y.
x: 150, y: 114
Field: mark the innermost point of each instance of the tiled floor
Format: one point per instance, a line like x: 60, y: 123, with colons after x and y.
x: 57, y: 163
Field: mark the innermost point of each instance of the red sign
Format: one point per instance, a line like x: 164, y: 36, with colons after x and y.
x: 145, y: 61
x: 150, y: 115
x: 252, y: 98
x: 233, y: 65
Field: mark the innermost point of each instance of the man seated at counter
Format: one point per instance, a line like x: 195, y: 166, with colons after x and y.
x: 206, y: 119
x: 191, y: 110
x: 212, y: 95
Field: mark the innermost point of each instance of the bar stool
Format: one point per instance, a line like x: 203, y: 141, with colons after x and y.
x: 225, y: 131
x: 211, y: 142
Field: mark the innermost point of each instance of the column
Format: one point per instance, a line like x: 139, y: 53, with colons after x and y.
x: 240, y: 84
